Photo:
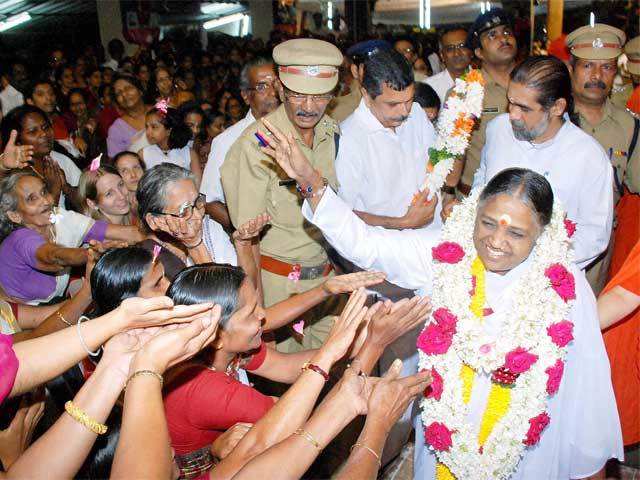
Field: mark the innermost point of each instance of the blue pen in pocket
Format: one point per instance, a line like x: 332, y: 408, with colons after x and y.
x: 261, y: 140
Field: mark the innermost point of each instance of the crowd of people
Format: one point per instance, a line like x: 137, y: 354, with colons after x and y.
x: 214, y: 262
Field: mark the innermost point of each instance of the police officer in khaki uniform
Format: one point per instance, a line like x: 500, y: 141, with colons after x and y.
x: 632, y: 49
x: 292, y: 254
x: 593, y: 66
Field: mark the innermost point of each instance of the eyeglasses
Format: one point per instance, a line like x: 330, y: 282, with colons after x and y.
x: 186, y: 209
x: 453, y: 48
x: 301, y: 97
x: 263, y: 87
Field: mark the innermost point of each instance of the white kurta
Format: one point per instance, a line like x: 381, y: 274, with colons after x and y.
x: 153, y: 156
x: 211, y: 185
x: 379, y: 169
x: 584, y: 430
x: 577, y: 168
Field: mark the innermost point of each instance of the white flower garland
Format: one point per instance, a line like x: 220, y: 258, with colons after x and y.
x: 465, y: 102
x: 535, y: 307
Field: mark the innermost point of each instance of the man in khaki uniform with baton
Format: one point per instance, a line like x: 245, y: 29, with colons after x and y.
x: 292, y: 251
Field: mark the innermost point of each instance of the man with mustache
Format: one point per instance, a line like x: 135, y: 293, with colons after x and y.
x: 492, y: 40
x: 593, y: 66
x: 291, y: 253
x: 258, y: 89
x: 536, y: 134
x: 383, y: 147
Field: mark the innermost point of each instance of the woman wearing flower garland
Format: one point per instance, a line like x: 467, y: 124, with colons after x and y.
x: 521, y: 382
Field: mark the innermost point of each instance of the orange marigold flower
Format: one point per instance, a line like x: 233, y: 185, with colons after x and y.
x: 474, y: 75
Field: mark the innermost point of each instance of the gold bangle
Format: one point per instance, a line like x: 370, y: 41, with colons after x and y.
x: 307, y: 436
x: 62, y: 319
x: 82, y: 418
x: 370, y: 451
x: 150, y: 373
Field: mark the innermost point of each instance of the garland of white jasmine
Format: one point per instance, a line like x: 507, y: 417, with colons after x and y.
x: 526, y: 362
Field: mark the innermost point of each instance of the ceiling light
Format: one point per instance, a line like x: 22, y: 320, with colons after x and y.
x: 14, y: 21
x: 223, y: 21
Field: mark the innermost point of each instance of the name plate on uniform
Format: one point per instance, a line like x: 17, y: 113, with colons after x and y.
x: 491, y: 110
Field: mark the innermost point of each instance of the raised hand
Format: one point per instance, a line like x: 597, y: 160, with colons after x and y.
x: 421, y: 211
x: 175, y: 343
x: 447, y: 208
x: 15, y: 156
x: 287, y: 153
x: 355, y: 388
x: 352, y: 281
x: 150, y: 312
x: 393, y: 320
x: 251, y: 228
x: 391, y: 396
x: 345, y: 326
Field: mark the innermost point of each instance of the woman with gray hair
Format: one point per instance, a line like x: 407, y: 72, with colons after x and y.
x: 39, y: 243
x: 171, y: 210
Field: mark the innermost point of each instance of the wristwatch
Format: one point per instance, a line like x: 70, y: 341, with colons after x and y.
x: 448, y: 189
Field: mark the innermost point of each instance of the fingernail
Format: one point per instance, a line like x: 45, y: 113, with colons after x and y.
x: 206, y: 321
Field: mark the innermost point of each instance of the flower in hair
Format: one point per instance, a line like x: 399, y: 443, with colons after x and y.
x: 95, y: 163
x: 162, y: 106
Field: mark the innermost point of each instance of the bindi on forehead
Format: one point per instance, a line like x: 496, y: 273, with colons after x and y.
x: 504, y: 220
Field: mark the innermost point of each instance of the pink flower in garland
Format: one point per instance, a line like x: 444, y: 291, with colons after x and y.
x: 435, y: 389
x: 519, y: 360
x: 445, y: 320
x: 438, y: 436
x: 448, y: 252
x: 562, y: 281
x: 536, y: 427
x: 434, y: 340
x: 554, y: 376
x: 561, y: 333
x: 570, y: 227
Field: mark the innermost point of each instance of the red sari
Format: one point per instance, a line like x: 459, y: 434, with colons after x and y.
x: 623, y: 347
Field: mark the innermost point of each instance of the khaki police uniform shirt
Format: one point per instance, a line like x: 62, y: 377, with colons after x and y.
x: 614, y: 132
x: 343, y: 106
x: 250, y: 181
x: 620, y: 95
x: 493, y: 104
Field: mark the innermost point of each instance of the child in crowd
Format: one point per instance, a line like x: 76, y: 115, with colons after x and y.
x: 428, y: 100
x: 169, y: 140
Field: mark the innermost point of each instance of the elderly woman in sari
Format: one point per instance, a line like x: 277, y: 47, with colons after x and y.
x: 511, y: 239
x: 40, y: 243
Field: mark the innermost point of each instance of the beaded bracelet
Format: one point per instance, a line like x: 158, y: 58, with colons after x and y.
x: 82, y: 418
x: 144, y: 372
x: 369, y: 449
x: 307, y: 436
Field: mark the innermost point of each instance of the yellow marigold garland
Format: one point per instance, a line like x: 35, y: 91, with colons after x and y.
x: 479, y: 297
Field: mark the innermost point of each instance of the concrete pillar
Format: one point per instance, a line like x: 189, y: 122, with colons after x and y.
x: 110, y: 23
x: 554, y: 18
x: 261, y: 12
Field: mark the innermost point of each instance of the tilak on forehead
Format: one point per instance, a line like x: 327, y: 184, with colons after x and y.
x: 505, y: 220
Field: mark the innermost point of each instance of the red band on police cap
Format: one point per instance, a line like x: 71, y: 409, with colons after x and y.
x: 308, y: 71
x: 595, y: 45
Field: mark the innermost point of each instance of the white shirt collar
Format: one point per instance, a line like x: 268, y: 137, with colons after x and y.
x: 370, y: 121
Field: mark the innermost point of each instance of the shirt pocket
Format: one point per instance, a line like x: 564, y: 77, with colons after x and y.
x: 285, y: 204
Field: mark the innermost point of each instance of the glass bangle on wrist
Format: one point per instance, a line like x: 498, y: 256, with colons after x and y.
x: 317, y: 369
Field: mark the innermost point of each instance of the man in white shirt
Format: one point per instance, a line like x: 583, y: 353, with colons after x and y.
x: 456, y: 56
x: 258, y: 89
x: 384, y: 145
x: 10, y: 98
x: 536, y: 134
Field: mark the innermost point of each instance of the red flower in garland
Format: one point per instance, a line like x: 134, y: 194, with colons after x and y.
x: 561, y: 333
x: 445, y: 320
x: 562, y: 281
x: 554, y: 376
x: 570, y: 227
x: 434, y: 340
x: 448, y: 252
x: 435, y: 389
x: 536, y: 427
x: 519, y: 360
x: 438, y: 436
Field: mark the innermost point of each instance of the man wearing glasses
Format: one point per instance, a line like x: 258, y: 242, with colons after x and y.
x: 456, y: 57
x: 291, y: 253
x: 258, y: 89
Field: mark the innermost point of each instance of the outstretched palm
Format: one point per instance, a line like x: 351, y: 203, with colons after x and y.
x: 287, y: 153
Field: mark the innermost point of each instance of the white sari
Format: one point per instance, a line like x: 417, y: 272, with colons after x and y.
x: 585, y: 429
